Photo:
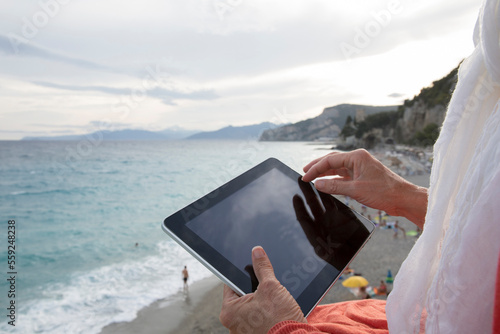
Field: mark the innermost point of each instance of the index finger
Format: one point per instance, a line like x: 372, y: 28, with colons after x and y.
x: 327, y: 163
x: 309, y: 165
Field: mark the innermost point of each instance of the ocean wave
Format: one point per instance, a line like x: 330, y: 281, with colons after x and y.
x: 41, y: 192
x: 15, y: 193
x: 72, y: 191
x: 113, y: 293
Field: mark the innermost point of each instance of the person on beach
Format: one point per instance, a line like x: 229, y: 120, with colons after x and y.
x: 381, y: 289
x: 348, y: 271
x: 397, y: 227
x: 458, y: 214
x: 363, y: 294
x: 185, y: 276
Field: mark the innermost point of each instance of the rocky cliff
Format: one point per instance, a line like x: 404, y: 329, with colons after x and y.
x: 327, y: 125
x: 416, y: 122
x: 416, y: 118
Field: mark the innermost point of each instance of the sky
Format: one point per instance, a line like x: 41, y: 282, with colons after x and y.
x: 79, y: 66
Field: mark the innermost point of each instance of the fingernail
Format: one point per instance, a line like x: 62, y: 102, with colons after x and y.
x: 319, y: 184
x: 258, y: 252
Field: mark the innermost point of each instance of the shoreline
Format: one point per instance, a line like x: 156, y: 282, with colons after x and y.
x: 166, y: 314
x: 198, y: 311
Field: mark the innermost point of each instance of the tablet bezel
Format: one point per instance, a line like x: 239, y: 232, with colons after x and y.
x: 224, y: 269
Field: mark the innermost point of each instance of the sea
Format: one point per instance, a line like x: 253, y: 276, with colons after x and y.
x: 85, y: 220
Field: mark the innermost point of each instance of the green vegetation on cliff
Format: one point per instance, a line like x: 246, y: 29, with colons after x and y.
x: 391, y: 123
x: 427, y: 136
x: 437, y: 94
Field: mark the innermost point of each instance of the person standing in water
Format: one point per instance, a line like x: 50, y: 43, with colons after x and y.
x: 185, y: 276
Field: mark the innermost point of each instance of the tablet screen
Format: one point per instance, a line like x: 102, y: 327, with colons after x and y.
x: 262, y: 213
x: 310, y: 237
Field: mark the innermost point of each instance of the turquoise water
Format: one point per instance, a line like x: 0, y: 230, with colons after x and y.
x: 81, y: 207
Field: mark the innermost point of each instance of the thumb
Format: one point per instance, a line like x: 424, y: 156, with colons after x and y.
x: 261, y: 264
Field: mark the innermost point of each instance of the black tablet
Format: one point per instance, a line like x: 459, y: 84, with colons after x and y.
x: 310, y: 237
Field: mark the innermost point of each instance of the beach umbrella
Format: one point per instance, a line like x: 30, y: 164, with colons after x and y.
x: 355, y: 282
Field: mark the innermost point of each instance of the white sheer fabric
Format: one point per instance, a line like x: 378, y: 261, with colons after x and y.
x: 451, y: 271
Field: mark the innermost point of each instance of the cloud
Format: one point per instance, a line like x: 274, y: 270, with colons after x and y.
x: 253, y: 56
x: 12, y: 44
x: 91, y: 124
x: 314, y: 35
x: 258, y: 37
x: 167, y: 96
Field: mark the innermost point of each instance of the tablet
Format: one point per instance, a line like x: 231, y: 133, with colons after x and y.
x: 309, y: 236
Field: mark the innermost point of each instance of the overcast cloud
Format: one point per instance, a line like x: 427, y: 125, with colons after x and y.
x: 66, y: 65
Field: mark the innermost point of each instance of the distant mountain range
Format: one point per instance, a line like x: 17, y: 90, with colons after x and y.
x: 236, y: 132
x: 126, y: 134
x: 230, y: 132
x: 326, y: 125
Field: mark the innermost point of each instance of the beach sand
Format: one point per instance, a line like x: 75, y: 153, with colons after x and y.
x: 198, y: 310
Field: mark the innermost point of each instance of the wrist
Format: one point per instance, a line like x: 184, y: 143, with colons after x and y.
x: 412, y: 203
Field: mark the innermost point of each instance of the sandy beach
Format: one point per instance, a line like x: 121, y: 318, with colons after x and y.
x: 197, y: 311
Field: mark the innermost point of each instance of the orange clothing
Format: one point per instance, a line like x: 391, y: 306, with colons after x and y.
x: 360, y: 317
x: 496, y: 314
x: 365, y: 316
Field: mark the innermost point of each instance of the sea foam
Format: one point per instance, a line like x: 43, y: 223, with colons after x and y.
x: 112, y: 293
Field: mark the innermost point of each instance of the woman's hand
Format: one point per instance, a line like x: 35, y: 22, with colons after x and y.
x: 259, y: 311
x: 365, y: 179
